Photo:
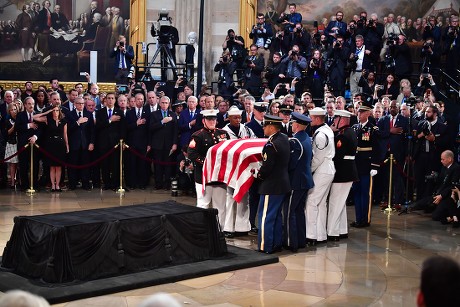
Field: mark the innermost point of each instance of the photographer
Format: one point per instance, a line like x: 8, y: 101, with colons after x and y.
x: 290, y: 20
x: 295, y: 65
x: 391, y: 29
x: 361, y: 57
x: 301, y: 38
x: 280, y: 43
x: 425, y: 83
x: 335, y: 66
x: 276, y: 71
x: 261, y: 35
x: 431, y: 140
x: 431, y: 57
x: 402, y: 58
x: 350, y: 35
x: 235, y: 45
x: 253, y: 66
x: 185, y: 173
x: 452, y: 47
x: 337, y: 27
x: 432, y: 31
x: 373, y: 33
x: 367, y: 82
x: 123, y: 55
x: 316, y: 75
x: 226, y: 68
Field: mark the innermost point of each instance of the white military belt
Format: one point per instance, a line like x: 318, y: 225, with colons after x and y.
x: 348, y: 157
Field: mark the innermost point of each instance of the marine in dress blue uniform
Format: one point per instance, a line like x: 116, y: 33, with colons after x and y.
x: 301, y: 179
x: 274, y: 185
x: 367, y: 162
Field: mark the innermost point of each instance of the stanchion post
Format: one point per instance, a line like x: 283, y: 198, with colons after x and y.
x: 31, y: 189
x: 390, y: 185
x: 120, y: 189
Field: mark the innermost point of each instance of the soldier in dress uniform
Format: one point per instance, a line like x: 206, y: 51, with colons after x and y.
x: 274, y: 185
x: 285, y: 114
x: 367, y: 162
x: 256, y: 125
x: 236, y: 214
x: 323, y: 170
x: 294, y: 226
x: 345, y: 174
x: 203, y: 139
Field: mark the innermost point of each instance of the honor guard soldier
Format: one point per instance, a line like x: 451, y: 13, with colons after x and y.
x: 294, y: 226
x: 367, y: 157
x: 345, y: 174
x: 274, y: 185
x: 256, y: 125
x: 203, y: 139
x: 285, y: 114
x: 323, y: 171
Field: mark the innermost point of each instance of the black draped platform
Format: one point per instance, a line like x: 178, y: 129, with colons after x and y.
x: 86, y: 245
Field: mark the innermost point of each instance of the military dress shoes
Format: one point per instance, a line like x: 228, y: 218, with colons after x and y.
x: 359, y: 225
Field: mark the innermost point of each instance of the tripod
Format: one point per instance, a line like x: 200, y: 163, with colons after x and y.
x: 165, y: 59
x: 409, y: 162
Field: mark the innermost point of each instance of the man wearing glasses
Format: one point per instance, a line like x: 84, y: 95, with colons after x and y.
x: 261, y: 34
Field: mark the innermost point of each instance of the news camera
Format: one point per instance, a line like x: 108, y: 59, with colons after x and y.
x: 162, y: 29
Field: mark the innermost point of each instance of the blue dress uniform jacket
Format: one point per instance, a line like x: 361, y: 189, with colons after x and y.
x: 201, y: 141
x: 256, y: 128
x: 294, y: 226
x: 273, y: 188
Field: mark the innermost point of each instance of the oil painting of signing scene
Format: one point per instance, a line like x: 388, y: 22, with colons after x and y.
x: 54, y: 38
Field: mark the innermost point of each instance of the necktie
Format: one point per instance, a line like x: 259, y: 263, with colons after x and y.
x: 79, y: 114
x: 191, y: 115
x: 110, y: 113
x: 138, y: 113
x: 122, y: 59
x: 165, y: 114
x: 30, y: 118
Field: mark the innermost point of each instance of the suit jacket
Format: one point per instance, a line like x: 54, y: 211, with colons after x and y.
x: 59, y: 21
x: 43, y: 19
x: 274, y: 170
x: 138, y: 136
x: 446, y: 178
x: 108, y: 133
x: 129, y: 56
x: 300, y: 162
x: 184, y: 128
x: 162, y: 136
x: 256, y: 128
x: 244, y: 117
x: 395, y: 143
x: 339, y: 24
x: 24, y: 133
x: 80, y: 136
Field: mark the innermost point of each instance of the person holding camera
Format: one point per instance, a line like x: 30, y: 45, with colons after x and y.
x: 261, y: 34
x: 452, y: 47
x: 226, y: 68
x: 235, y: 45
x: 123, y: 54
x: 295, y: 65
x: 276, y: 71
x: 431, y: 140
x: 316, y: 75
x: 335, y: 66
x: 391, y: 29
x: 361, y: 57
x: 431, y: 56
x: 336, y: 27
x: 253, y: 66
x: 301, y: 38
x: 290, y: 20
x: 402, y: 58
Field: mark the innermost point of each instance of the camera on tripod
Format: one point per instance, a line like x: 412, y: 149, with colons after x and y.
x: 392, y: 39
x: 162, y: 29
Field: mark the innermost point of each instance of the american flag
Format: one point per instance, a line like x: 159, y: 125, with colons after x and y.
x: 231, y: 162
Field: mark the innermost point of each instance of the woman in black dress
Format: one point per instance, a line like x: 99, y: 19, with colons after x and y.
x: 56, y: 144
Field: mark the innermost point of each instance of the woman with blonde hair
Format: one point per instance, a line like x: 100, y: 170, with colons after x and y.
x: 11, y: 143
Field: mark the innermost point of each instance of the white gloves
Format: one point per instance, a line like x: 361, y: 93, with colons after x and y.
x: 373, y: 172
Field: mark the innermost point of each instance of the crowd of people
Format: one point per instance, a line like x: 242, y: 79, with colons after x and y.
x: 37, y: 24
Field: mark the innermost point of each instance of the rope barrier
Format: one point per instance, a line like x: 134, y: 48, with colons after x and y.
x: 143, y: 157
x: 399, y: 168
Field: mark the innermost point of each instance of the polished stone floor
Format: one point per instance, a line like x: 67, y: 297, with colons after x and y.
x: 375, y: 266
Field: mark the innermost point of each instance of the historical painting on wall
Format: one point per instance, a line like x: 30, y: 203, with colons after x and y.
x: 321, y: 11
x: 41, y: 40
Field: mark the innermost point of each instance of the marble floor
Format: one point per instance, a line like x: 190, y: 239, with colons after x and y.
x: 375, y: 266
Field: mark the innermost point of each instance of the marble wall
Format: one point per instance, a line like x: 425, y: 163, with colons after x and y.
x: 220, y: 15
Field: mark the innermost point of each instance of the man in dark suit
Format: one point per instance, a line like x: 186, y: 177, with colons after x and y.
x: 393, y: 130
x: 450, y: 173
x: 44, y: 17
x: 28, y: 133
x: 253, y: 66
x: 274, y: 185
x: 58, y: 20
x: 123, y: 54
x: 431, y: 140
x: 110, y: 128
x: 80, y: 132
x: 187, y: 121
x: 163, y: 142
x: 336, y: 27
x: 137, y: 124
x: 294, y: 227
x: 69, y: 103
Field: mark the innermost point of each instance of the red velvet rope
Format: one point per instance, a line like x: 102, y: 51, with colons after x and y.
x: 143, y: 157
x: 95, y: 162
x: 15, y: 154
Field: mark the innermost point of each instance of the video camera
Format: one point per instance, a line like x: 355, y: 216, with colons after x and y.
x: 162, y: 28
x: 392, y: 39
